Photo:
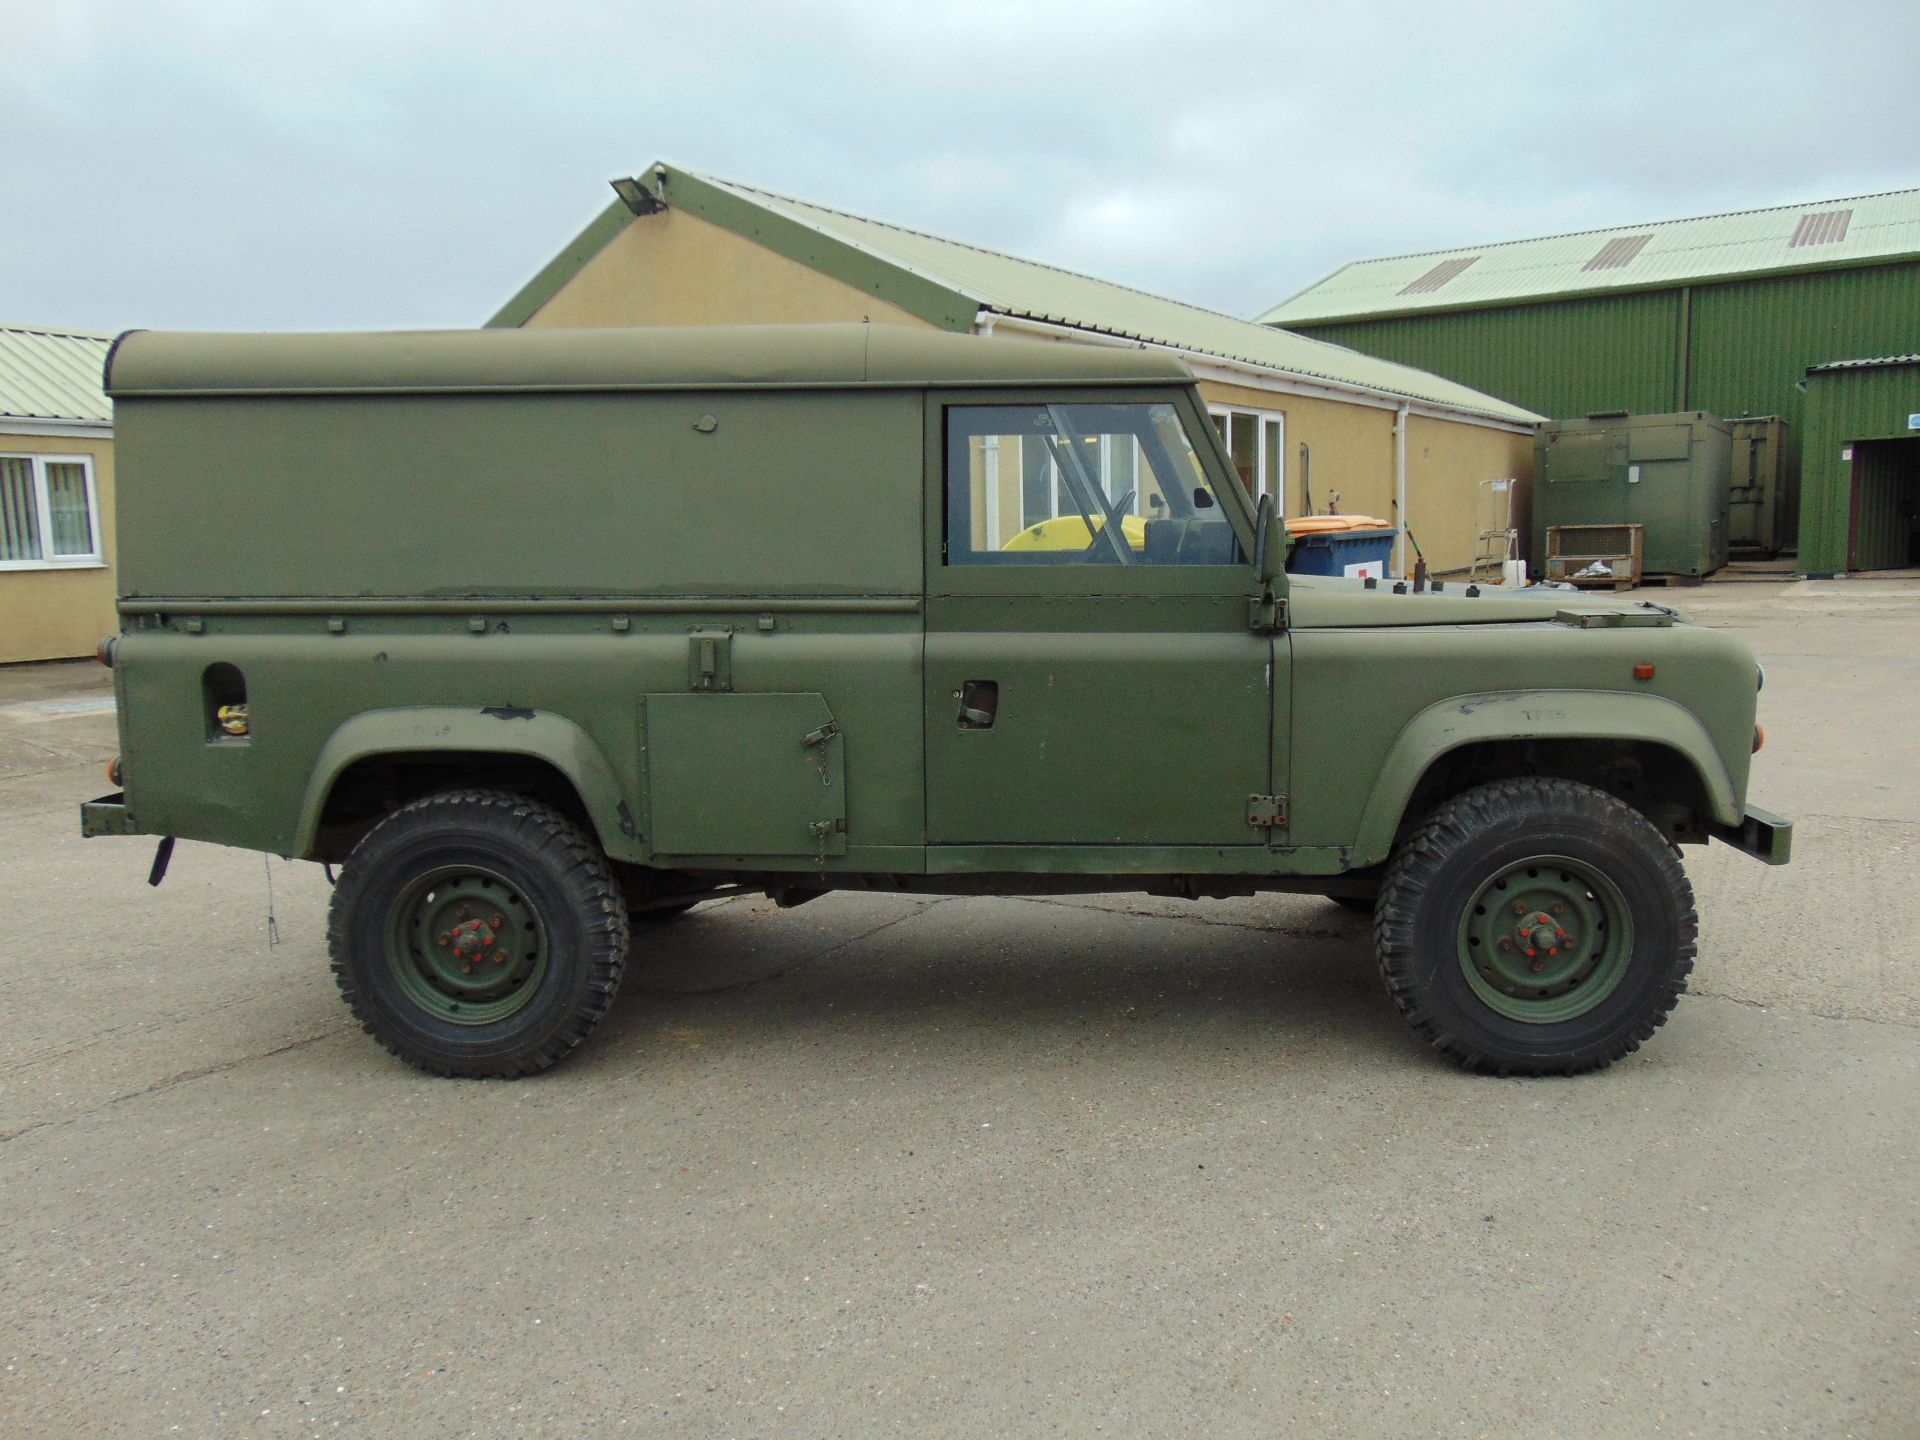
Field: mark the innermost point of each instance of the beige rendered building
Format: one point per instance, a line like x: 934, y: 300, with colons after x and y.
x: 1304, y: 420
x: 56, y: 495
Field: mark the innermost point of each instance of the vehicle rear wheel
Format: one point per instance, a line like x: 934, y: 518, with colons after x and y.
x: 477, y: 933
x: 1535, y: 927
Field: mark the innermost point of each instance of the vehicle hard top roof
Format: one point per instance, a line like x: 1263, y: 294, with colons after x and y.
x: 145, y: 362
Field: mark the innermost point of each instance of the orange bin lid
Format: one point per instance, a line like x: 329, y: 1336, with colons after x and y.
x: 1333, y: 524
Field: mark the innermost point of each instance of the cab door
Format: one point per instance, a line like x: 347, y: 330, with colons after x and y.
x: 1092, y: 678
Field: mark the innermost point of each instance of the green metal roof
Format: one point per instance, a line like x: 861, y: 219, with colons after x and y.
x: 947, y: 283
x: 149, y: 362
x: 52, y: 376
x: 1876, y: 362
x: 1820, y: 235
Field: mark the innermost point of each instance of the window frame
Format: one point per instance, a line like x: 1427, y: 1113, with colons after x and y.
x: 957, y: 580
x: 1261, y: 419
x: 95, y: 558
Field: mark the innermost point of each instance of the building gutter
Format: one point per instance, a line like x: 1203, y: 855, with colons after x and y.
x: 1206, y: 366
x: 1400, y: 490
x: 67, y: 429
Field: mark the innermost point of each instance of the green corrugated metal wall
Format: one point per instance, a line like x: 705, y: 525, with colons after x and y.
x: 1843, y: 409
x: 1753, y: 342
x: 1750, y: 344
x: 1563, y: 359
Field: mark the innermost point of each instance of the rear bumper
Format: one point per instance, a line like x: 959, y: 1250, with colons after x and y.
x: 108, y: 815
x: 1760, y: 833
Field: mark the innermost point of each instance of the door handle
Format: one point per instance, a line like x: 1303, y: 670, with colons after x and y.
x: 979, y: 704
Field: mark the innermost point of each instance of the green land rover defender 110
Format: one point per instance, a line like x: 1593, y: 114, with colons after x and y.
x: 543, y: 635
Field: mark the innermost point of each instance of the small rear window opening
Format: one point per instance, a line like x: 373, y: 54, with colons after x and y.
x: 223, y: 700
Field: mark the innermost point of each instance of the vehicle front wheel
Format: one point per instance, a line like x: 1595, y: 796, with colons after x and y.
x: 1535, y: 927
x: 478, y: 933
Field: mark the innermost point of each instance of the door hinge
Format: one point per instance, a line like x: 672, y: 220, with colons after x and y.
x: 1267, y: 615
x: 1267, y: 812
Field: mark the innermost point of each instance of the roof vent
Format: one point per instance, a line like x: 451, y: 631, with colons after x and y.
x: 1823, y: 227
x: 1617, y: 252
x: 1438, y: 276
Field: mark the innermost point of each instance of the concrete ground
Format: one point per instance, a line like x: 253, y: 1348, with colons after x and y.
x: 972, y: 1167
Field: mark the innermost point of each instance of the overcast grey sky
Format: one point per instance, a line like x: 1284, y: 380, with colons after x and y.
x: 376, y: 163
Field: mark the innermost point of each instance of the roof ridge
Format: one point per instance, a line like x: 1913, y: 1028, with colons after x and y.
x: 1168, y: 323
x: 1612, y: 229
x: 978, y: 249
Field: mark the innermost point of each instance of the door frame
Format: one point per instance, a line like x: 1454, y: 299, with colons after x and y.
x: 950, y: 587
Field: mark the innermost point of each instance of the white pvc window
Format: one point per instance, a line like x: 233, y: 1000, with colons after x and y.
x: 1113, y: 459
x: 1257, y: 445
x: 49, y: 512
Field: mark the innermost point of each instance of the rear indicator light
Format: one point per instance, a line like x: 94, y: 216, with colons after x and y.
x: 115, y: 773
x: 1643, y: 672
x: 104, y: 651
x: 1759, y: 737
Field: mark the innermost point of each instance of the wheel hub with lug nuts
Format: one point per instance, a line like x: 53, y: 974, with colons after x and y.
x: 1545, y: 939
x: 466, y: 945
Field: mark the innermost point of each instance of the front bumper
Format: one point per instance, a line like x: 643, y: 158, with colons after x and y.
x: 108, y: 815
x: 1760, y: 833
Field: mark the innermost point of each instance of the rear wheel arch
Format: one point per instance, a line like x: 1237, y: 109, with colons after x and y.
x: 375, y: 786
x: 379, y: 762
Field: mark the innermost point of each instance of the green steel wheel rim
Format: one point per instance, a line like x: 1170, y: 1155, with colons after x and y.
x: 466, y: 945
x: 1545, y: 940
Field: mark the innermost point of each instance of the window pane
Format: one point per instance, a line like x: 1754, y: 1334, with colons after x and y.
x: 1036, y: 481
x: 67, y: 509
x: 1270, y: 467
x: 19, y: 513
x: 1082, y: 466
x: 1123, y: 469
x: 1242, y: 445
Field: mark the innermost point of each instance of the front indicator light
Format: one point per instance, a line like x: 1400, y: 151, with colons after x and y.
x: 1759, y: 737
x: 115, y: 773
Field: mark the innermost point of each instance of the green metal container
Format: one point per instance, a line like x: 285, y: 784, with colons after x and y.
x: 1764, y: 510
x: 1670, y: 474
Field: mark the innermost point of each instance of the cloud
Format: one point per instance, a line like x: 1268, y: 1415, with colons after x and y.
x: 411, y: 162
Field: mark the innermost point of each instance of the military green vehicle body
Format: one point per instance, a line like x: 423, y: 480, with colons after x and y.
x: 724, y: 599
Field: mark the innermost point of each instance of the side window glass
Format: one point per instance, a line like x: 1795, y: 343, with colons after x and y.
x: 1048, y: 484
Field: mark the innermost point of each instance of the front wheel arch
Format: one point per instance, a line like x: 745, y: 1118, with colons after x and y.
x: 1584, y: 736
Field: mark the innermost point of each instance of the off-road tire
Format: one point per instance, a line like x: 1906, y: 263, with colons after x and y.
x: 561, y: 892
x: 1431, y: 948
